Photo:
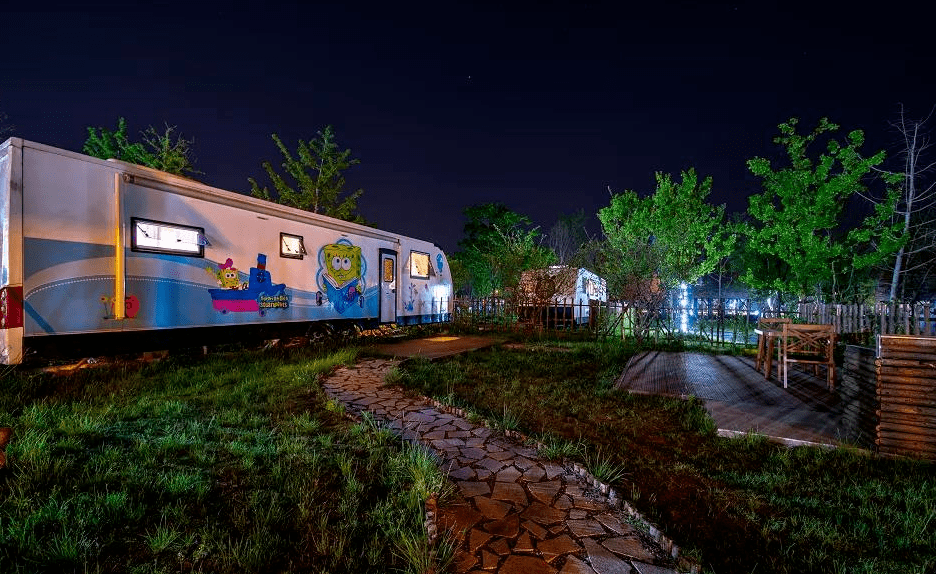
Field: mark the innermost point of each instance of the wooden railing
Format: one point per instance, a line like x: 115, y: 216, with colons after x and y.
x: 719, y: 321
x: 880, y: 319
x: 499, y: 313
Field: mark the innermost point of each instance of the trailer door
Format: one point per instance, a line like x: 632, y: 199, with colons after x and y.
x: 388, y: 283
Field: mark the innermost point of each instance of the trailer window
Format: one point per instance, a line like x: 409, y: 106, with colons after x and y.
x: 292, y: 246
x: 419, y: 265
x: 388, y: 270
x: 159, y: 237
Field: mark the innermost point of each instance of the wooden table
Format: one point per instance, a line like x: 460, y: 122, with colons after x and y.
x: 766, y: 343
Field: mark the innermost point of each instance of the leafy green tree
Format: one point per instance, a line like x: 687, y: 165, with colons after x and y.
x: 164, y: 151
x: 797, y: 247
x: 498, y: 245
x: 318, y: 176
x: 670, y: 237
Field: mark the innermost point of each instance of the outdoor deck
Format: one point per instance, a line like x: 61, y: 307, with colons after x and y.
x: 740, y: 399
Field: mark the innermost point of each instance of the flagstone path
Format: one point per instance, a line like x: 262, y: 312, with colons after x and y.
x: 515, y: 512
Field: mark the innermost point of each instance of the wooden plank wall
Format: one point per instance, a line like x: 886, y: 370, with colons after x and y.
x: 906, y: 392
x: 858, y: 393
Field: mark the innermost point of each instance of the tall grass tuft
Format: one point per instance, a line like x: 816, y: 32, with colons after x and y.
x: 602, y: 466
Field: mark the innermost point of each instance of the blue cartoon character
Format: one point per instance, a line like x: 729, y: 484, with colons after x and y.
x: 439, y: 262
x: 341, y: 274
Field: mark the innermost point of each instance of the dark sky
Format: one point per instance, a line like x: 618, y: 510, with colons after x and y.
x: 541, y: 105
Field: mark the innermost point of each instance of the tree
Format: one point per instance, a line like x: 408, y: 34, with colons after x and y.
x: 163, y: 151
x: 915, y: 210
x: 794, y: 233
x: 567, y: 237
x: 498, y: 245
x: 318, y: 175
x: 670, y: 237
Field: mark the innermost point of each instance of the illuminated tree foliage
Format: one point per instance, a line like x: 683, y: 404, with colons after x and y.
x: 667, y: 238
x: 163, y: 151
x: 318, y: 175
x: 498, y: 245
x: 794, y: 240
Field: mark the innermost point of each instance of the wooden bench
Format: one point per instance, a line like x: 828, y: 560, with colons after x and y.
x: 808, y: 344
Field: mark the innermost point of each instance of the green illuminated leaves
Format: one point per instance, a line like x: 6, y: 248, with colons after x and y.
x: 794, y: 239
x: 318, y: 175
x: 673, y: 235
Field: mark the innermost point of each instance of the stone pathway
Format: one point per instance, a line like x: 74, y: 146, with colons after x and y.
x: 516, y: 513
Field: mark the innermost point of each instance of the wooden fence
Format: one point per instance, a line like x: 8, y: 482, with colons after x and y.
x: 881, y: 318
x: 718, y: 321
x: 498, y: 313
x: 858, y: 393
x: 906, y: 394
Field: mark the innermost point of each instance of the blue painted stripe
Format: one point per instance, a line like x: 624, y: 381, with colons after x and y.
x: 35, y: 316
x: 46, y: 253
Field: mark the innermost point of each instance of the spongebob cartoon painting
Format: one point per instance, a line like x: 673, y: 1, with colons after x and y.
x: 341, y: 274
x: 226, y: 274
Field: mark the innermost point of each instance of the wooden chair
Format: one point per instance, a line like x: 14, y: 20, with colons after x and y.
x: 809, y: 344
x: 769, y: 330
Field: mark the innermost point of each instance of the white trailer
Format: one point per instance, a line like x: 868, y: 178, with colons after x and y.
x: 91, y: 247
x: 564, y: 293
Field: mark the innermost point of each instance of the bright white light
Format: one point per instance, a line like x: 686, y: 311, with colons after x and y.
x: 683, y: 307
x: 442, y: 298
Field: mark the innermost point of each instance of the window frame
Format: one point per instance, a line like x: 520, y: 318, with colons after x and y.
x: 388, y: 264
x: 302, y: 248
x: 413, y: 274
x: 135, y: 247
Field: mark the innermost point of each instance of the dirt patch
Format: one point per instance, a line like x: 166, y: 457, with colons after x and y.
x: 436, y: 347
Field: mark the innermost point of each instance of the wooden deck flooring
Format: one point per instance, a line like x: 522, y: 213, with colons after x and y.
x: 740, y: 399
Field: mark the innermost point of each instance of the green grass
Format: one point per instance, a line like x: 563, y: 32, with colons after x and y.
x: 232, y: 463
x: 738, y: 505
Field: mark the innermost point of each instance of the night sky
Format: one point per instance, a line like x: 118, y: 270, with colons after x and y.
x: 542, y: 106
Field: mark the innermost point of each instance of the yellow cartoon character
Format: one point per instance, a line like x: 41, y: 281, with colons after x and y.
x: 226, y: 275
x: 340, y: 274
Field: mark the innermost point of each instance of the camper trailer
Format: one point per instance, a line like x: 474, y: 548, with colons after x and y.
x: 562, y: 295
x: 93, y: 248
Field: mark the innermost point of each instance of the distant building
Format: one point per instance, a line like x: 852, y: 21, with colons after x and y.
x: 567, y: 292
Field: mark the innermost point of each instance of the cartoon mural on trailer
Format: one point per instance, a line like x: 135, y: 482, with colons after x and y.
x: 414, y: 299
x: 341, y: 274
x: 258, y: 293
x: 131, y: 306
x: 227, y: 275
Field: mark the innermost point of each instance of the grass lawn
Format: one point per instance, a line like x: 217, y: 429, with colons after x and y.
x: 736, y: 505
x: 230, y: 463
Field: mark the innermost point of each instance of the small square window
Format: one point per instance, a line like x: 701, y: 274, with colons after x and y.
x: 292, y: 246
x: 159, y: 237
x: 388, y: 264
x: 419, y: 265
